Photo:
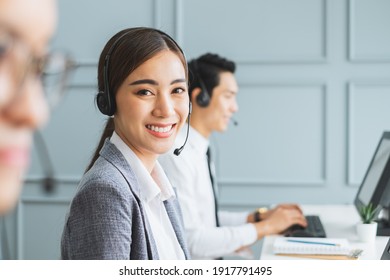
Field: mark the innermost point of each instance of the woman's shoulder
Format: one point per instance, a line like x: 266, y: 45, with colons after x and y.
x: 105, y: 178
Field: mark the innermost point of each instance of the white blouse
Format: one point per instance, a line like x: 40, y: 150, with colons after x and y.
x: 155, y: 189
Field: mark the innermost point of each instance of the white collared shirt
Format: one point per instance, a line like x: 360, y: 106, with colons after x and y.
x: 189, y: 174
x: 155, y: 189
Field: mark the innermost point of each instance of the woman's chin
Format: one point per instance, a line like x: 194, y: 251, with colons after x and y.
x: 163, y: 147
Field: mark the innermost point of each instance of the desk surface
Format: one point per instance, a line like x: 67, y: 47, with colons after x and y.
x: 339, y: 222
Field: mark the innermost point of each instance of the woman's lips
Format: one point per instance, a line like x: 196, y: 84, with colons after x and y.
x: 14, y: 157
x: 161, y: 131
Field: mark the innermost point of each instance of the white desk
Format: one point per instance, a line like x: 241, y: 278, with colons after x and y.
x: 339, y: 222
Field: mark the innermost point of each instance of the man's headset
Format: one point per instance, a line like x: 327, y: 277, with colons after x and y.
x: 106, y: 101
x: 203, y: 98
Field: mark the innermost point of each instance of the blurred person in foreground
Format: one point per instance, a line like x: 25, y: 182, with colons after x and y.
x: 26, y: 27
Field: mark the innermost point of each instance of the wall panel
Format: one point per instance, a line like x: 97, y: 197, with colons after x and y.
x: 85, y: 26
x: 369, y: 116
x: 258, y: 34
x: 276, y: 148
x: 369, y: 32
x: 41, y: 242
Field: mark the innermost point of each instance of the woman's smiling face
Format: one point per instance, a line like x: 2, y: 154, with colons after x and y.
x: 152, y: 106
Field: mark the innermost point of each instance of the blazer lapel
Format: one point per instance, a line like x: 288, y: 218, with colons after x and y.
x: 115, y: 157
x: 174, y: 215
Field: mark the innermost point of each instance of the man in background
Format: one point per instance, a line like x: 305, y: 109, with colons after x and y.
x: 211, y: 233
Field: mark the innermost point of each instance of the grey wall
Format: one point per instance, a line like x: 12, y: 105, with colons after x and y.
x: 314, y: 79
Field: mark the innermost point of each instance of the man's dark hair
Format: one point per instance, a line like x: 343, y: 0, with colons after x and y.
x: 207, y: 68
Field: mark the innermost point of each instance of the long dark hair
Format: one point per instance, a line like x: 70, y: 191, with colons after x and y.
x: 136, y: 46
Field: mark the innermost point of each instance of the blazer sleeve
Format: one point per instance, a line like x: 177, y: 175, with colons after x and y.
x: 99, y: 223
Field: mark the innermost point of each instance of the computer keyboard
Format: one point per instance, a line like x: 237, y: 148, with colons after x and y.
x: 314, y: 228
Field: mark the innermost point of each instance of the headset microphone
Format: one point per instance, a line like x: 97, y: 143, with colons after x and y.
x: 48, y: 182
x: 234, y: 121
x: 179, y: 150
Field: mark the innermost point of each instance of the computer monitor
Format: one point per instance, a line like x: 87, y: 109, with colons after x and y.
x: 386, y: 252
x: 375, y: 187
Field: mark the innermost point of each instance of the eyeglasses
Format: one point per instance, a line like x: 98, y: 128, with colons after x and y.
x: 17, y: 60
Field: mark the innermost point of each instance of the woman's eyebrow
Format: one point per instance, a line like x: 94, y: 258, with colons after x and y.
x: 144, y: 81
x: 153, y: 82
x: 178, y: 81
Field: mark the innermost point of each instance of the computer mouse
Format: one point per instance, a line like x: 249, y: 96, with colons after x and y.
x: 300, y: 233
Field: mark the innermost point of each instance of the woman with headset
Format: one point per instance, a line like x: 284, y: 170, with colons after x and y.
x: 125, y: 207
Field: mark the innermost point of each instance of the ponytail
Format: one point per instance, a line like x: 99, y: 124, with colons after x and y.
x: 107, y: 132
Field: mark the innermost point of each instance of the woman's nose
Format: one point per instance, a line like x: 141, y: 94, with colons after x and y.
x: 164, y: 106
x: 29, y: 108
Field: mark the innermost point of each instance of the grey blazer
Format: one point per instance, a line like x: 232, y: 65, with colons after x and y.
x: 107, y: 219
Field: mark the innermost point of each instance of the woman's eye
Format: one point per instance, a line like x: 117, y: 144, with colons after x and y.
x: 144, y: 92
x: 178, y: 90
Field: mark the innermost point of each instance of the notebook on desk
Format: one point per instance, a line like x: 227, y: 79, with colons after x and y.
x: 320, y: 248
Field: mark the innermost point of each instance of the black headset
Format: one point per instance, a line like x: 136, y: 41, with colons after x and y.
x: 203, y: 98
x: 105, y: 101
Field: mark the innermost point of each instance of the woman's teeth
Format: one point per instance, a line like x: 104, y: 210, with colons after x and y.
x: 159, y: 129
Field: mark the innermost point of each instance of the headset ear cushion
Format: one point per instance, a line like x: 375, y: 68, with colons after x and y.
x: 203, y: 99
x: 103, y: 103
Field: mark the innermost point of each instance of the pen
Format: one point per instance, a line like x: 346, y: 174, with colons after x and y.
x: 313, y: 242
